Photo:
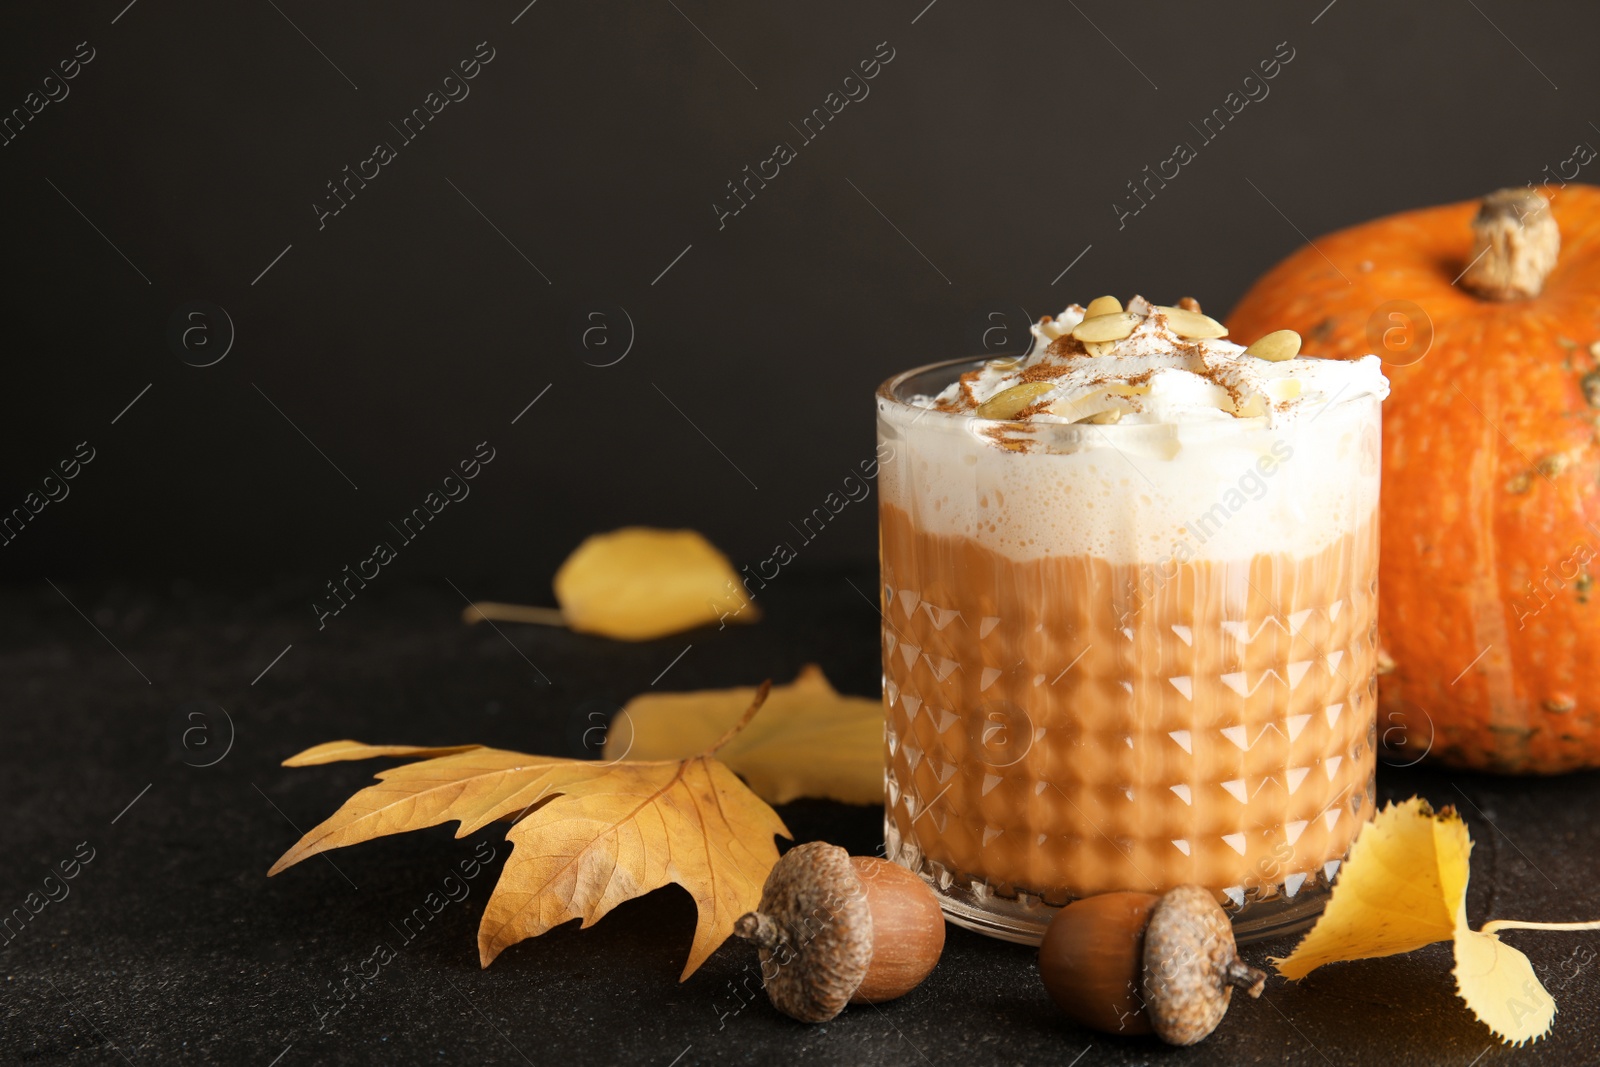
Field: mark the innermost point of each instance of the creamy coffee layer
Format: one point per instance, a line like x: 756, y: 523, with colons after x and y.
x: 1067, y: 726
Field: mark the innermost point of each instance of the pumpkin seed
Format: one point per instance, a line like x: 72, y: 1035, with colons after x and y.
x: 1190, y: 324
x: 1189, y: 303
x: 1090, y: 406
x: 1007, y: 402
x: 1276, y: 346
x: 1254, y: 406
x: 1113, y: 327
x: 1099, y: 348
x: 1102, y: 305
x: 1283, y: 390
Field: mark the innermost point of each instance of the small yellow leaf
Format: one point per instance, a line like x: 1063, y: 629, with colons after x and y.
x: 638, y: 583
x: 1405, y: 886
x: 1499, y: 985
x: 808, y: 740
x: 1400, y: 889
x: 587, y: 835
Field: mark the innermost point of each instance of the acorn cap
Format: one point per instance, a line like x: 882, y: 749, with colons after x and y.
x: 813, y: 932
x: 1191, y: 966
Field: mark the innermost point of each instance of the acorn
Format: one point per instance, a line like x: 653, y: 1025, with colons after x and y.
x: 835, y: 929
x: 1136, y: 963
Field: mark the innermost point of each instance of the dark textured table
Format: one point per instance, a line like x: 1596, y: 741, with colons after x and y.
x: 170, y: 944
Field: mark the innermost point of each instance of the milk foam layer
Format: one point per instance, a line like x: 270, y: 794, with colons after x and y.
x: 1176, y: 479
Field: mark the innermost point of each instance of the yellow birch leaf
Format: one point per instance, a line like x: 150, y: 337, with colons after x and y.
x: 1405, y: 886
x: 1391, y: 895
x: 808, y: 740
x: 1498, y: 984
x: 587, y: 835
x: 639, y: 583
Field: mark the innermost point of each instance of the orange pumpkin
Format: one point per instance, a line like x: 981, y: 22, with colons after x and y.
x: 1490, y: 518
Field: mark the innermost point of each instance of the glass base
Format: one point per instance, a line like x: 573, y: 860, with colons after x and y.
x: 1257, y: 914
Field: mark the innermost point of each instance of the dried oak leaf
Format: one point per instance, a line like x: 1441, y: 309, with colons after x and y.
x: 808, y: 740
x: 1405, y: 886
x: 586, y: 835
x: 638, y: 583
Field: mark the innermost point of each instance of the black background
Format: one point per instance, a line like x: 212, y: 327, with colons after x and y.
x: 928, y: 221
x: 597, y: 141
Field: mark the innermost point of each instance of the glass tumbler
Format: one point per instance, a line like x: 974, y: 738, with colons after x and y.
x: 1126, y: 657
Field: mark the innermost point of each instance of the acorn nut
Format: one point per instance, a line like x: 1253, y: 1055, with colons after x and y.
x: 834, y: 929
x: 1133, y: 963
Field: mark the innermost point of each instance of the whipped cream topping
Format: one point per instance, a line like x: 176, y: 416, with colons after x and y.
x: 1237, y: 456
x: 1156, y: 376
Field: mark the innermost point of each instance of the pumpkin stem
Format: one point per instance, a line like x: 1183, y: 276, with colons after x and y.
x: 1514, y: 245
